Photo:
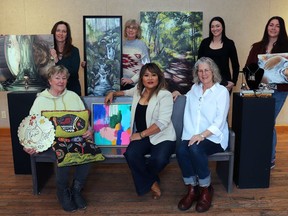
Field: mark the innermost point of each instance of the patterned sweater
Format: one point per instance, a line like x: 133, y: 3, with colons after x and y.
x: 135, y: 54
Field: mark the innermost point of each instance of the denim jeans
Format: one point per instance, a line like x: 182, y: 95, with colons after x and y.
x: 145, y: 170
x: 193, y: 161
x: 280, y: 98
x: 80, y: 174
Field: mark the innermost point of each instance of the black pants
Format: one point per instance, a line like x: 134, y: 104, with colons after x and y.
x: 80, y: 174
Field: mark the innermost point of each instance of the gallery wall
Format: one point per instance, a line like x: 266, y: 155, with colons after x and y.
x: 245, y: 22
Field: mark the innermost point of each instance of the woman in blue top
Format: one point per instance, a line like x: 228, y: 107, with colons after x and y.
x: 64, y: 53
x: 221, y: 49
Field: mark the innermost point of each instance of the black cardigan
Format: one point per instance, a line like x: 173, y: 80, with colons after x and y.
x: 221, y: 58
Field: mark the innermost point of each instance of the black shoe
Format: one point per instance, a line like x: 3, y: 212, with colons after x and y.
x: 66, y: 201
x: 77, y: 197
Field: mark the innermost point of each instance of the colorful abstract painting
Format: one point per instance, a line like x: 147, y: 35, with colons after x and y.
x: 111, y: 124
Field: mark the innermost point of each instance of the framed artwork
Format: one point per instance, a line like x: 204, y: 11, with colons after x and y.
x: 173, y: 39
x: 111, y: 124
x: 24, y: 60
x: 275, y: 67
x: 102, y: 53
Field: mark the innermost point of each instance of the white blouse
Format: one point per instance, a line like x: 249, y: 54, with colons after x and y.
x: 207, y: 111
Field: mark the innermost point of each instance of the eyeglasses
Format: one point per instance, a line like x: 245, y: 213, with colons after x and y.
x: 132, y: 27
x: 204, y: 71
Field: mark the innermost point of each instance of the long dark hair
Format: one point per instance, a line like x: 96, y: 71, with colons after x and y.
x: 219, y: 19
x: 153, y: 68
x: 68, y: 42
x: 281, y: 44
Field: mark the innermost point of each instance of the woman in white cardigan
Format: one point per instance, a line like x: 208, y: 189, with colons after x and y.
x: 153, y: 132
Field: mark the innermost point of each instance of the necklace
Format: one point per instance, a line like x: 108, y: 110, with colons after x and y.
x: 251, y: 75
x: 60, y: 55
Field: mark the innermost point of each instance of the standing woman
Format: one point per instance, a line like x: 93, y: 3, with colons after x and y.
x: 205, y: 132
x: 152, y: 129
x: 135, y: 54
x: 221, y: 49
x: 64, y: 53
x: 274, y: 40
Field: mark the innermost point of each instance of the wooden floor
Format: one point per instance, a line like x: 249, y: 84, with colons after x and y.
x: 110, y: 191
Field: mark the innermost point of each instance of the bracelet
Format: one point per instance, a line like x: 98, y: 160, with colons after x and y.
x: 202, y: 136
x: 141, y: 135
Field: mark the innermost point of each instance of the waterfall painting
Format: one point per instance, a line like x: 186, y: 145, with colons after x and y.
x: 103, y: 54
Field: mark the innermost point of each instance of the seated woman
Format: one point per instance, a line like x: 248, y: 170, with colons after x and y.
x: 205, y: 132
x: 153, y: 132
x: 57, y: 97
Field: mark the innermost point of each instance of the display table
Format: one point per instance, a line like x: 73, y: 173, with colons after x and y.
x: 19, y: 104
x: 253, y: 123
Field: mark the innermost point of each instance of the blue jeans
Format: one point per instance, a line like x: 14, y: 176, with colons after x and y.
x: 280, y: 98
x: 193, y: 161
x: 145, y: 171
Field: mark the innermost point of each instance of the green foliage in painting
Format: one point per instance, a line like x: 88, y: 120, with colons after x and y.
x: 173, y: 39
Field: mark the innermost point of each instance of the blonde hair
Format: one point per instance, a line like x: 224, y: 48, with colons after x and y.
x: 57, y: 69
x: 134, y: 23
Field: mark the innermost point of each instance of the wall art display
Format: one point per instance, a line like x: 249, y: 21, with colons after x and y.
x: 173, y: 39
x: 24, y: 60
x: 111, y: 124
x: 275, y: 67
x: 102, y: 53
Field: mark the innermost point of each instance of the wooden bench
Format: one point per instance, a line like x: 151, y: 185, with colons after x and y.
x: 42, y: 164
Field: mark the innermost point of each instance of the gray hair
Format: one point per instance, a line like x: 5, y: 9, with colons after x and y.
x: 213, y: 67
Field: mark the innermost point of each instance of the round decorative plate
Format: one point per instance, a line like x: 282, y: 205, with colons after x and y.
x: 36, y: 132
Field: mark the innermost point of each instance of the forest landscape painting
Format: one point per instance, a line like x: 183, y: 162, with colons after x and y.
x: 173, y: 39
x: 111, y: 124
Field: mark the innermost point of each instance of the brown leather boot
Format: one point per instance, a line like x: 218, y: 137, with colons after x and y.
x: 156, y: 191
x: 205, y: 200
x: 186, y: 202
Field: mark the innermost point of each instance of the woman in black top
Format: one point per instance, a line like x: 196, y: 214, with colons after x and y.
x: 221, y: 49
x: 64, y: 53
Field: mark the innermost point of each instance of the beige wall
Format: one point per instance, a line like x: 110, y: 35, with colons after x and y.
x: 245, y: 21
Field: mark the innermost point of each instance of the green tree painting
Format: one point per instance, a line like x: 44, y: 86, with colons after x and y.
x: 173, y: 39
